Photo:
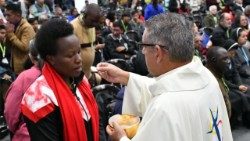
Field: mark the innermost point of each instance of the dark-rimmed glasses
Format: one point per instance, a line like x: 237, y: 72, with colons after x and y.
x: 142, y: 45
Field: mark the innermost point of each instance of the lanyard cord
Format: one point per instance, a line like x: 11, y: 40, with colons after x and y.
x: 78, y: 99
x: 124, y: 27
x: 87, y: 117
x: 3, y: 50
x: 225, y: 85
x: 245, y: 56
x: 228, y: 35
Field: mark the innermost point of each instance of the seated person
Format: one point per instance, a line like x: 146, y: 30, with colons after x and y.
x: 59, y: 13
x: 39, y: 9
x: 110, y: 18
x: 125, y: 22
x: 5, y: 51
x: 116, y: 45
x: 211, y: 20
x: 5, y: 54
x: 99, y: 46
x: 5, y: 78
x: 136, y: 23
x: 34, y: 23
x: 73, y: 14
x: 238, y: 92
x: 242, y: 56
x: 222, y: 32
x: 217, y: 62
x: 233, y: 76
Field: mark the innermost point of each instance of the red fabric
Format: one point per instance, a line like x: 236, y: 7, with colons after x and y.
x: 73, y: 122
x: 39, y: 114
x: 141, y: 18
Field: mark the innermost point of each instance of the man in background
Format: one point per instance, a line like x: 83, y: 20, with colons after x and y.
x: 222, y: 32
x: 211, y: 20
x: 84, y: 28
x: 19, y: 33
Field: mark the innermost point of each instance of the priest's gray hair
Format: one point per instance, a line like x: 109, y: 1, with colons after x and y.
x: 173, y: 31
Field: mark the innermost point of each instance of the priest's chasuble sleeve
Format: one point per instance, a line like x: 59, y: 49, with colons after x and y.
x: 136, y: 101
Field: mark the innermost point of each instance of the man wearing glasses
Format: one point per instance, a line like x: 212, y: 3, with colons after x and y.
x: 117, y: 45
x: 183, y: 102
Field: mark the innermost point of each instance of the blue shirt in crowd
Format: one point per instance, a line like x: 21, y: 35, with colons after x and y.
x: 150, y: 11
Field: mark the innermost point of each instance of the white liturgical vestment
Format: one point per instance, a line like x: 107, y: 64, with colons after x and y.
x: 185, y: 104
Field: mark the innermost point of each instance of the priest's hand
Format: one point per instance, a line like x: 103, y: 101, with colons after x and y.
x: 115, y: 131
x: 112, y: 73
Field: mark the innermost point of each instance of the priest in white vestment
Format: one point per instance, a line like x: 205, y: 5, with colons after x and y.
x: 183, y: 101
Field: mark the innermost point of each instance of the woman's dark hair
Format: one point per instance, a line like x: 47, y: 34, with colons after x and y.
x: 173, y: 6
x: 33, y: 50
x: 237, y: 21
x: 34, y: 54
x: 72, y: 9
x: 49, y: 33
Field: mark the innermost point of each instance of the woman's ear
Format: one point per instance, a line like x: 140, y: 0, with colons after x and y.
x: 50, y: 59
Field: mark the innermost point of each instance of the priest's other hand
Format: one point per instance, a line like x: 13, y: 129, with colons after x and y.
x: 115, y: 131
x: 112, y: 73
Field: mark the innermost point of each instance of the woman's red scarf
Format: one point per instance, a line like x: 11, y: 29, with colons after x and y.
x: 73, y: 122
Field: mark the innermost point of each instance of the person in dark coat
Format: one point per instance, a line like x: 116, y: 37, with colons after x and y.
x: 242, y: 57
x: 217, y: 62
x: 116, y: 45
x: 211, y: 20
x: 221, y: 32
x: 125, y: 22
x: 238, y: 92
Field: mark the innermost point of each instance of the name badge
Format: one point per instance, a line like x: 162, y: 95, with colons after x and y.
x: 5, y: 61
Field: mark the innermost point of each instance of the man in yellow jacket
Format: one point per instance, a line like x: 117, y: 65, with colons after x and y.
x: 19, y: 34
x: 84, y: 28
